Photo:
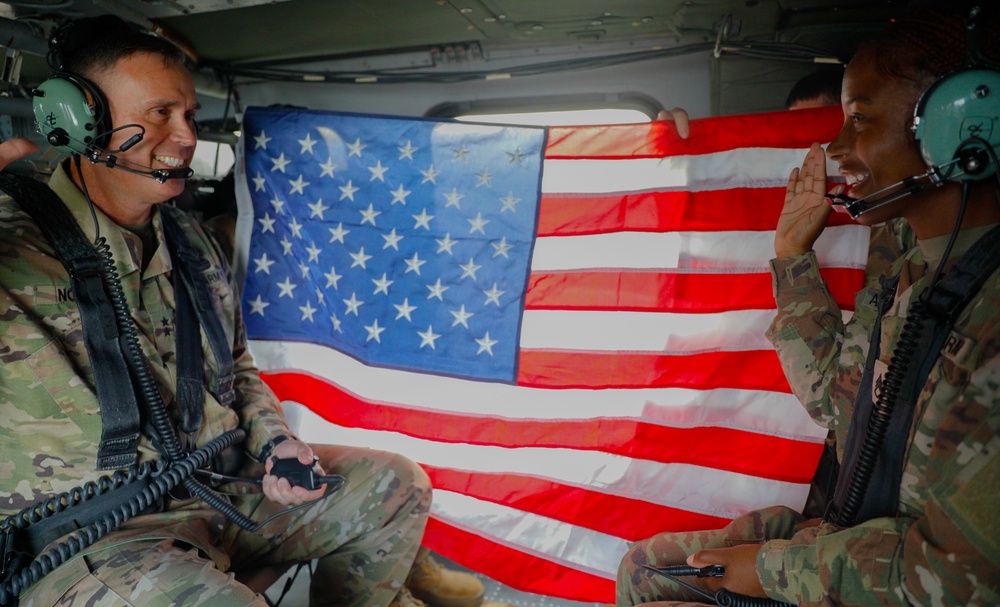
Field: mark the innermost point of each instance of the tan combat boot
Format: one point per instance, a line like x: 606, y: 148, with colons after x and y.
x: 440, y: 587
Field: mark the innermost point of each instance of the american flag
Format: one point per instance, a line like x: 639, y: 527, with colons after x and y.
x: 563, y: 326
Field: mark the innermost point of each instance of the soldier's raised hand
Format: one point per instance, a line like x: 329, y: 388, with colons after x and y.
x: 806, y: 209
x: 15, y: 149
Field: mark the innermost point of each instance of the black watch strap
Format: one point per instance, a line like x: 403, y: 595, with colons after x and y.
x: 270, y: 445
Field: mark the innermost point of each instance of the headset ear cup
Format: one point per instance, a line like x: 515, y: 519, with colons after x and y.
x: 958, y: 118
x: 72, y: 114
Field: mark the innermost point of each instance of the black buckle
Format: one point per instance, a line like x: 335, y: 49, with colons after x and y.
x: 12, y: 560
x: 224, y: 391
x: 85, y: 268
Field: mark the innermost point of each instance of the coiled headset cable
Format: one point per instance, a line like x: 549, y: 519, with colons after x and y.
x: 888, y: 395
x: 177, y: 468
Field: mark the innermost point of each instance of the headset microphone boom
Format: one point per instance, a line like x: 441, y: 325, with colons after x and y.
x: 956, y: 123
x: 72, y: 114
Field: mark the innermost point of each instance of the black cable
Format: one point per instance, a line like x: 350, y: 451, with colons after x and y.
x: 725, y: 598
x: 892, y: 383
x: 878, y: 423
x: 147, y: 388
x: 722, y: 597
x: 769, y: 50
x: 164, y: 477
x: 177, y: 469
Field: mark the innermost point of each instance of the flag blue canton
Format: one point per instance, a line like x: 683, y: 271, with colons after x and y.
x: 402, y: 242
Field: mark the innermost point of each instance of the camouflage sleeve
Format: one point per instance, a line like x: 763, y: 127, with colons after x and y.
x: 948, y: 556
x: 946, y: 553
x: 824, y: 565
x: 806, y: 332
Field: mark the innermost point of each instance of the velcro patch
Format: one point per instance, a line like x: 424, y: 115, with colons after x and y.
x: 974, y: 505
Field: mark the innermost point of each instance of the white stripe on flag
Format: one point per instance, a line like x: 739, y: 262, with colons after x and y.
x: 739, y: 168
x: 706, y: 252
x: 771, y: 413
x: 668, y: 333
x: 682, y: 486
x: 646, y: 331
x: 576, y: 547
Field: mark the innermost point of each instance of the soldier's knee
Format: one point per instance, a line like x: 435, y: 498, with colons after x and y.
x: 414, y: 486
x: 630, y: 568
x: 410, y: 472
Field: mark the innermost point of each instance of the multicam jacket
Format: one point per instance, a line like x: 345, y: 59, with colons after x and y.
x: 943, y: 548
x: 51, y: 424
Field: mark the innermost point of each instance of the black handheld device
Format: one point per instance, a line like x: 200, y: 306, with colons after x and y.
x: 304, y: 475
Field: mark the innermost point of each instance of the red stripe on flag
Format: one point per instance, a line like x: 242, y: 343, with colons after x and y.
x: 515, y: 567
x: 751, y: 370
x: 651, y: 291
x: 798, y: 129
x: 564, y: 501
x: 733, y: 450
x: 706, y: 211
x: 623, y: 517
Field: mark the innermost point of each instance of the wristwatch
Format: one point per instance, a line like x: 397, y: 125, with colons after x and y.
x: 270, y: 445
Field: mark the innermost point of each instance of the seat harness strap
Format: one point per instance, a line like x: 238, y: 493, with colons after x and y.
x: 102, y: 338
x: 944, y: 303
x: 120, y: 411
x: 192, y: 267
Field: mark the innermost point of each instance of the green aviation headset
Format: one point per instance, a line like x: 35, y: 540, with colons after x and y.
x: 957, y: 125
x: 72, y: 114
x: 70, y: 111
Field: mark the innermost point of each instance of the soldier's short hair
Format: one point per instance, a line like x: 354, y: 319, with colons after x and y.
x: 822, y: 84
x: 92, y: 45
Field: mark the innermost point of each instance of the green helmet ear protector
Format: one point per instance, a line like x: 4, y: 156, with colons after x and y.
x: 72, y: 114
x: 956, y: 123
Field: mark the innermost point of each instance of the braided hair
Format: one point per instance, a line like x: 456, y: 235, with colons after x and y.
x: 928, y: 44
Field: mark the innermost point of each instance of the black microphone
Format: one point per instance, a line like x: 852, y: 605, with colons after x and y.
x: 161, y: 175
x: 130, y: 142
x: 101, y: 155
x: 856, y: 207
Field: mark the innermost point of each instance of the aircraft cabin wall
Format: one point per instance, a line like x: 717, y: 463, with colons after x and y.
x: 683, y: 81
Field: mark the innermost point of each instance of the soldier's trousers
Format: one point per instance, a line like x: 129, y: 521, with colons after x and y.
x: 637, y: 585
x: 365, y: 538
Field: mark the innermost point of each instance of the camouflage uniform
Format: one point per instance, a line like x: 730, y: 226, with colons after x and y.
x: 887, y: 242
x: 944, y: 546
x: 365, y: 537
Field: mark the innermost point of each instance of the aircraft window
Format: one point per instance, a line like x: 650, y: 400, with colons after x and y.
x: 212, y: 160
x: 558, y: 118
